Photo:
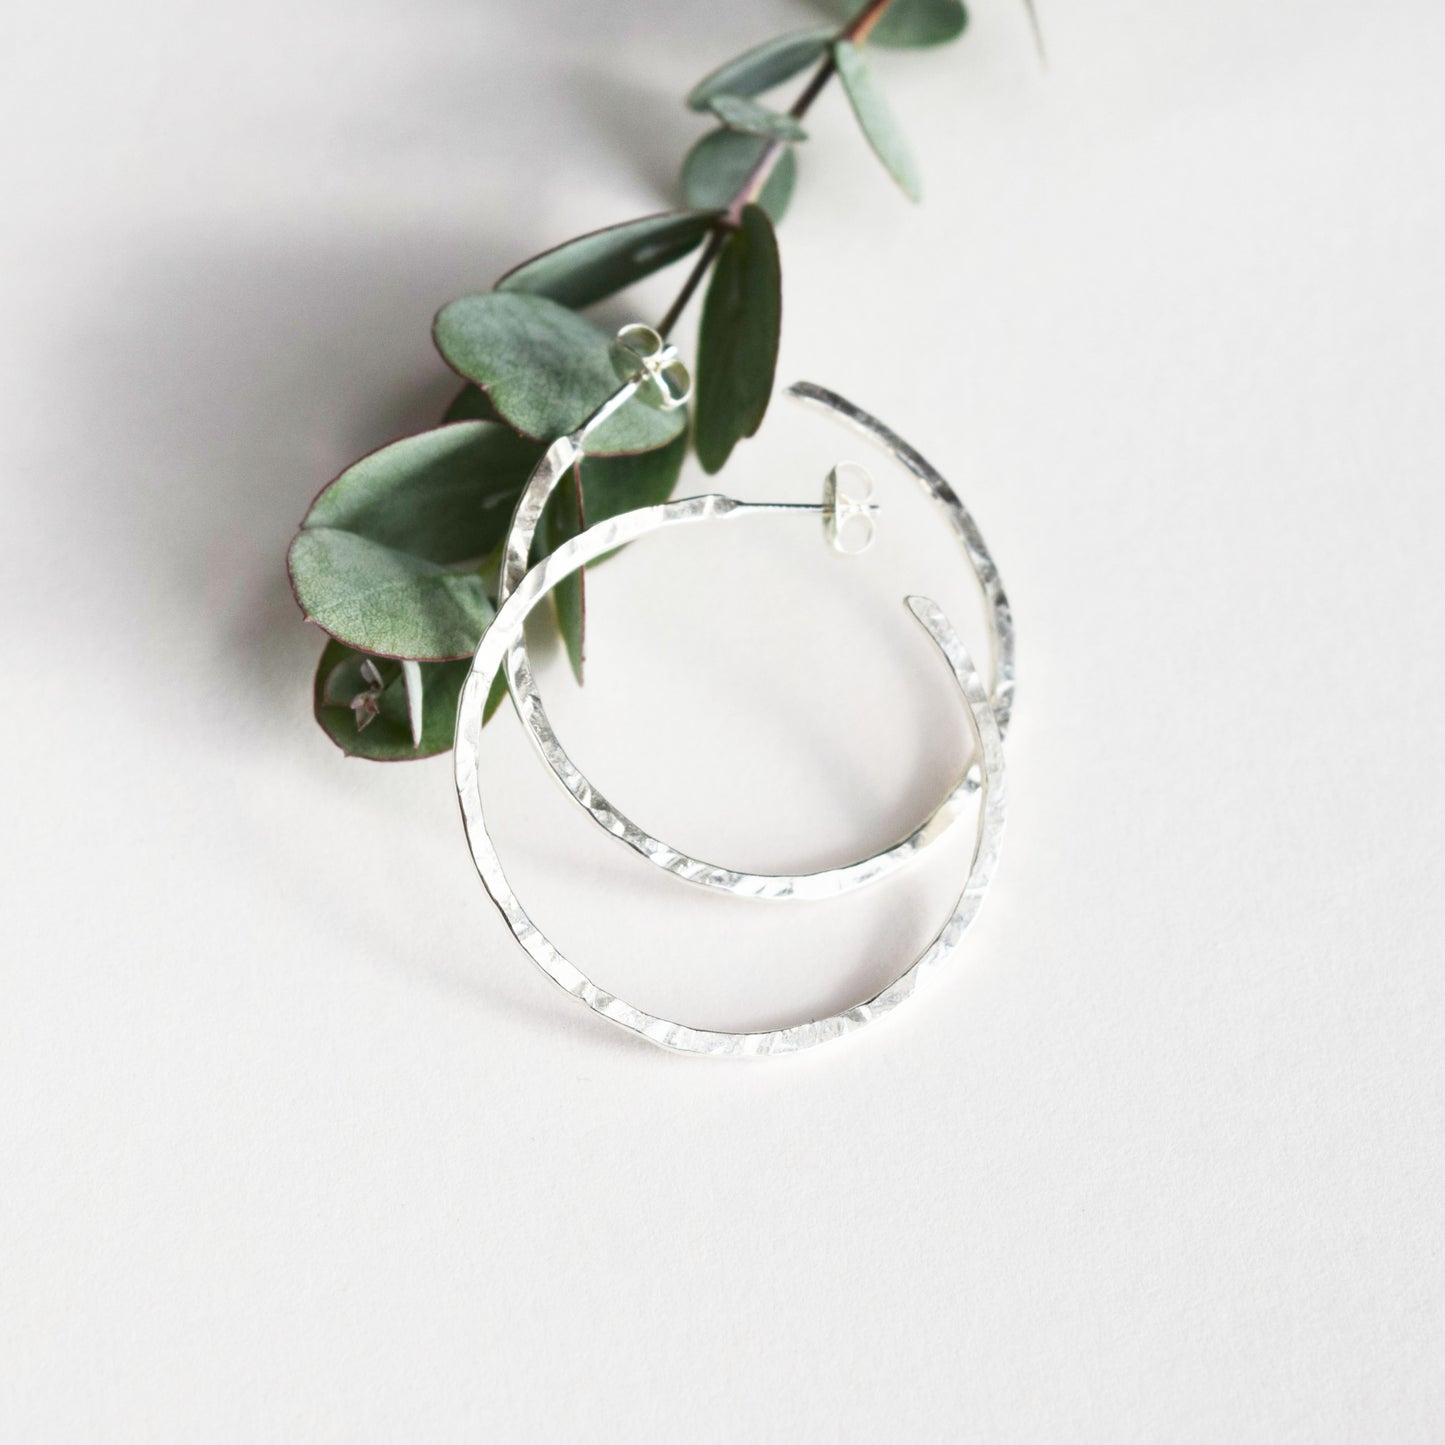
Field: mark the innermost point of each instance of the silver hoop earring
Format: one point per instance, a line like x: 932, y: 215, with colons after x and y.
x: 497, y: 648
x: 650, y: 369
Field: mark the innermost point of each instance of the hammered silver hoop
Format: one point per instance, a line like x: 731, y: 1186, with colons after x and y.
x: 657, y: 359
x: 494, y: 652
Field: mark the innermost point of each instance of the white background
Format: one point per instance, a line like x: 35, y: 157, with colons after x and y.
x: 297, y: 1145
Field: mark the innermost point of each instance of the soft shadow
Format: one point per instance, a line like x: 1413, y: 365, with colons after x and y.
x: 237, y: 371
x: 644, y: 124
x: 253, y: 375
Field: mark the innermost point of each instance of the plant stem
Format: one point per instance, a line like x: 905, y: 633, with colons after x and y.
x: 694, y: 279
x: 857, y: 31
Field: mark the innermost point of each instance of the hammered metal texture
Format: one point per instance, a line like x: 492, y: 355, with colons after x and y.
x: 996, y: 608
x: 824, y: 883
x: 492, y: 654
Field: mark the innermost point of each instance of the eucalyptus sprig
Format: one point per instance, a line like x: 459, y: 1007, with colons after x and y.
x: 397, y: 558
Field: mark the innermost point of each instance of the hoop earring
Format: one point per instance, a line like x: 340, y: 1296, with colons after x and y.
x: 650, y: 369
x: 496, y: 649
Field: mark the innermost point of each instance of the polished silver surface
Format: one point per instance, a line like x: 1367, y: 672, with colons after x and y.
x: 823, y: 883
x: 496, y: 647
x: 996, y: 609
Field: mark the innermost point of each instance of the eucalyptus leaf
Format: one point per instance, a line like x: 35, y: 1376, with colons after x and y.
x: 876, y: 118
x: 737, y: 348
x: 912, y: 24
x: 445, y: 494
x: 471, y: 403
x: 717, y: 167
x: 610, y: 486
x: 739, y: 113
x: 764, y: 66
x: 613, y: 485
x: 387, y: 737
x: 586, y: 269
x: 545, y: 369
x: 396, y: 604
x: 386, y: 559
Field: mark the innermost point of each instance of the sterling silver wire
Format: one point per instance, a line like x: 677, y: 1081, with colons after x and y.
x: 659, y: 373
x: 498, y: 645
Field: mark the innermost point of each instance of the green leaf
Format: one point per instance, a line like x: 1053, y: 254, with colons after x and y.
x: 387, y: 736
x: 738, y: 113
x: 718, y: 165
x: 471, y: 403
x: 911, y: 24
x: 545, y: 369
x: 610, y: 486
x: 600, y: 263
x: 613, y: 485
x: 875, y: 117
x: 764, y: 66
x: 386, y: 559
x: 397, y: 604
x: 445, y: 494
x: 737, y: 347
